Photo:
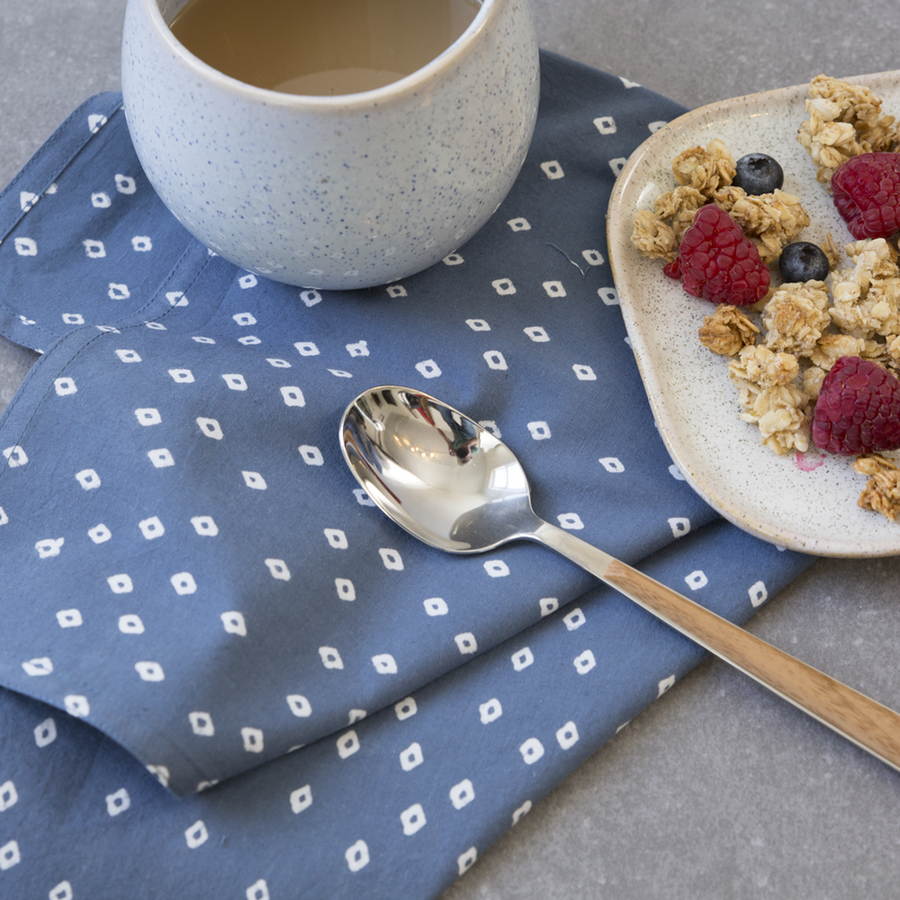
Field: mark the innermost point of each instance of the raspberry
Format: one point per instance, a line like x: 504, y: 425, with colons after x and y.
x: 866, y: 192
x: 718, y: 262
x: 858, y: 410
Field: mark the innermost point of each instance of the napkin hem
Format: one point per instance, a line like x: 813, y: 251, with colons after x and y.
x: 84, y: 336
x: 48, y: 167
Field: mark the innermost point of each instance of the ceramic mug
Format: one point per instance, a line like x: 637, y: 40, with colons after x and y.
x: 334, y: 192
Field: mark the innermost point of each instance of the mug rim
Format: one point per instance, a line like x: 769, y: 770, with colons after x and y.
x: 407, y: 86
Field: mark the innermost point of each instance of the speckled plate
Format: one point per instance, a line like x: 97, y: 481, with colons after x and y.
x: 805, y: 502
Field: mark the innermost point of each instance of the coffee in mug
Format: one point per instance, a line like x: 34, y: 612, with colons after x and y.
x: 314, y: 48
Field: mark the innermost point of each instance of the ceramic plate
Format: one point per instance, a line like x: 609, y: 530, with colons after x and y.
x: 806, y: 502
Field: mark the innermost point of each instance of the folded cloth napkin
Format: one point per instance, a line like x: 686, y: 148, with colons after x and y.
x: 188, y: 568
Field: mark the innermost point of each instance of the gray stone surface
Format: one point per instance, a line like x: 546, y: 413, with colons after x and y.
x: 719, y: 790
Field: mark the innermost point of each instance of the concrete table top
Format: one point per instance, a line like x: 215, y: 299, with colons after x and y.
x: 719, y: 790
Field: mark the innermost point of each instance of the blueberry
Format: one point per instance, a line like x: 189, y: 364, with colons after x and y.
x: 758, y: 173
x: 803, y: 261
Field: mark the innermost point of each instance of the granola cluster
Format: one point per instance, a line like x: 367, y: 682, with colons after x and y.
x: 704, y: 175
x: 727, y: 331
x: 770, y: 398
x: 867, y: 299
x: 844, y: 120
x: 882, y: 492
x: 772, y: 221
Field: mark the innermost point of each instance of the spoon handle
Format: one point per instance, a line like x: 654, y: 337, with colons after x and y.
x: 858, y: 718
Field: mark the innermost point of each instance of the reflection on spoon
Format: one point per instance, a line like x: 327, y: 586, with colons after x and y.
x: 453, y: 485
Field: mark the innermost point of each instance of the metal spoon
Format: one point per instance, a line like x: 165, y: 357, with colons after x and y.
x: 452, y: 484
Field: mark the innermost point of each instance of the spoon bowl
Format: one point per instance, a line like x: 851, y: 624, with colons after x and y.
x: 454, y: 485
x: 438, y: 474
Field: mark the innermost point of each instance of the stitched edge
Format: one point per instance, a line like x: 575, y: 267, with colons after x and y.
x: 111, y: 104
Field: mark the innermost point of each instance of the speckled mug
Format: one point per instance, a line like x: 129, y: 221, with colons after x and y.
x: 335, y: 192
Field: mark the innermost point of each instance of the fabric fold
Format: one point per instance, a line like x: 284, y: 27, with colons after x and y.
x: 399, y: 804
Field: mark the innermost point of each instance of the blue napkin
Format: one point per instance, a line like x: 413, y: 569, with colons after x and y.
x: 191, y: 582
